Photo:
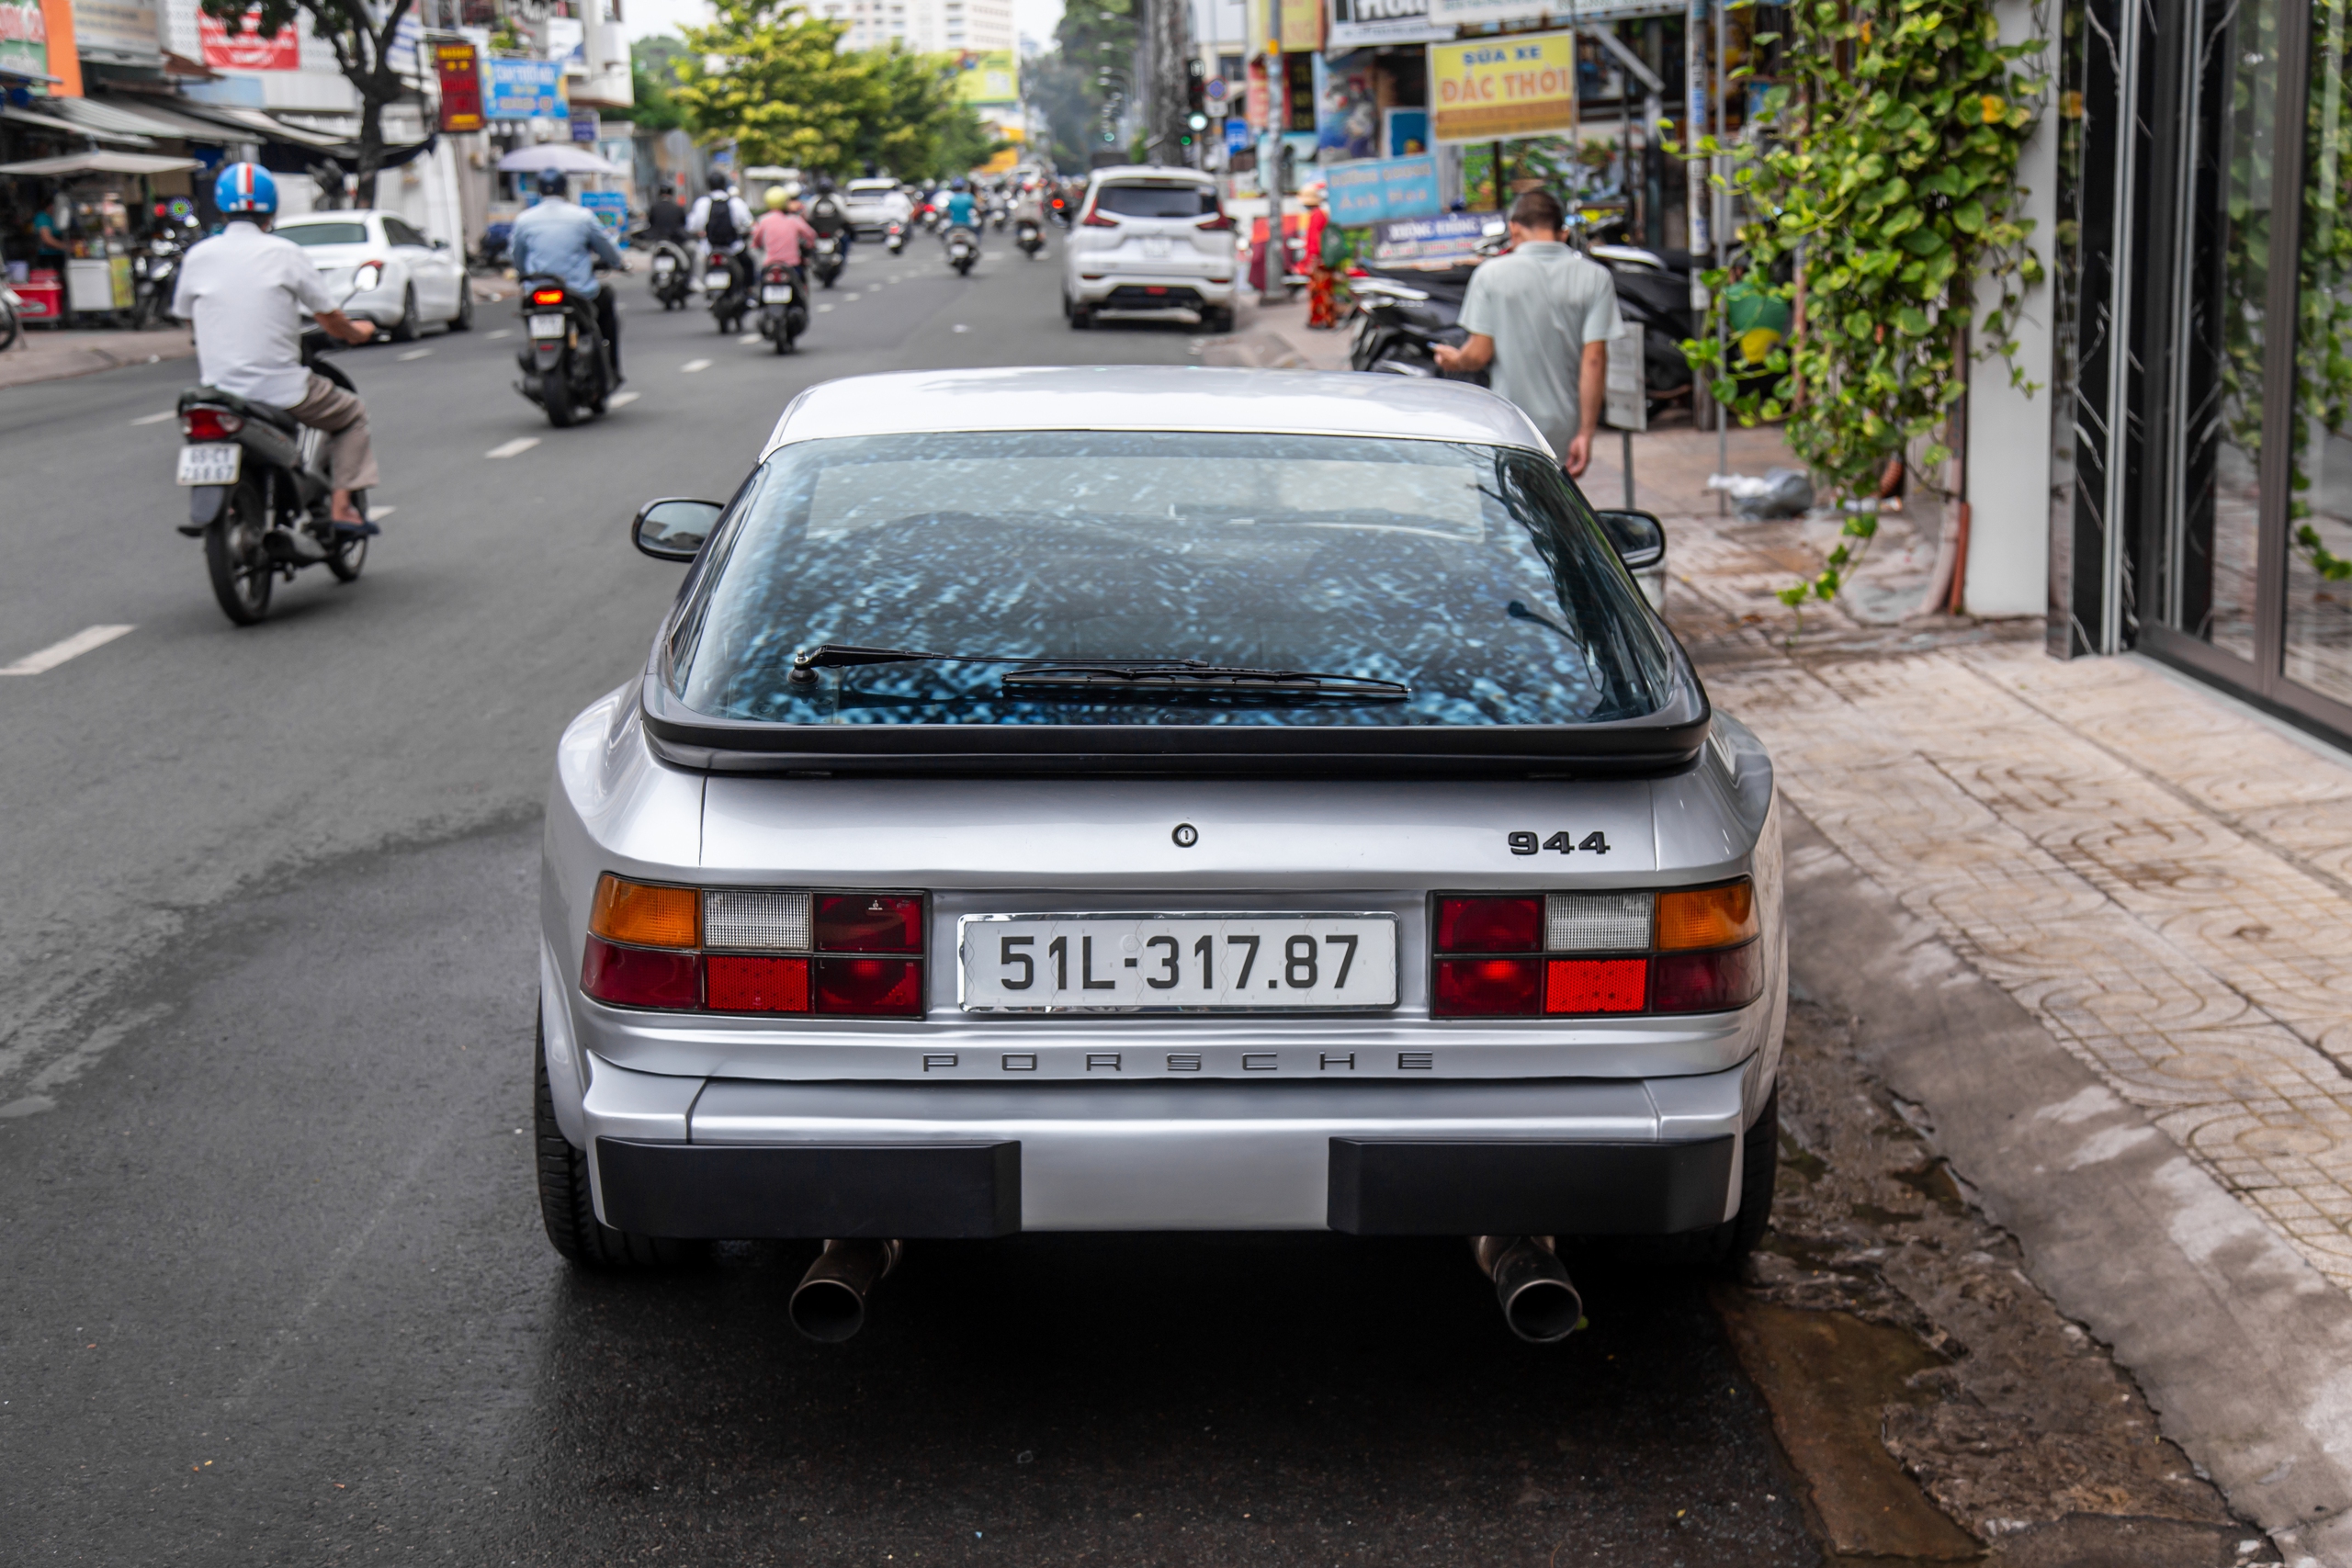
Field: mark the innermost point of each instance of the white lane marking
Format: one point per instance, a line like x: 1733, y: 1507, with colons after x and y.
x: 848, y: 299
x: 57, y: 653
x: 822, y: 308
x: 962, y: 328
x: 620, y: 399
x: 502, y: 332
x: 155, y: 418
x: 691, y: 366
x: 513, y: 448
x: 750, y: 338
x: 416, y: 353
x: 378, y: 514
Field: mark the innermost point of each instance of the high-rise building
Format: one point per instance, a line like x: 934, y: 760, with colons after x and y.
x: 925, y: 27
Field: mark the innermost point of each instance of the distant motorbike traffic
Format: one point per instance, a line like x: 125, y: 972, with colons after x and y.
x: 783, y: 313
x: 566, y: 366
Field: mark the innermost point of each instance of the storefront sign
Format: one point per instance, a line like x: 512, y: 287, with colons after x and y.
x: 1381, y: 191
x: 1449, y: 13
x: 610, y: 206
x: 1489, y: 89
x: 1236, y: 135
x: 117, y: 31
x: 24, y: 38
x: 989, y: 76
x: 247, y: 50
x: 1301, y: 25
x: 461, y: 86
x: 1452, y: 236
x: 1358, y: 23
x: 524, y: 89
x: 584, y: 127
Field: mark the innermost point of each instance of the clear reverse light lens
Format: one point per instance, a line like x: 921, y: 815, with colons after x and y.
x: 1596, y: 922
x: 756, y: 921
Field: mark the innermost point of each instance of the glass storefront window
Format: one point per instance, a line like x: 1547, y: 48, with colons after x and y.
x: 2318, y: 630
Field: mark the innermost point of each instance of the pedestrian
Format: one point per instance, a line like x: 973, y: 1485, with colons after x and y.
x: 1322, y: 277
x: 1541, y: 317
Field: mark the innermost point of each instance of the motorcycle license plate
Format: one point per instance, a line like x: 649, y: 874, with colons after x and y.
x: 665, y: 264
x: 716, y: 282
x: 213, y: 463
x: 776, y: 295
x: 547, y: 326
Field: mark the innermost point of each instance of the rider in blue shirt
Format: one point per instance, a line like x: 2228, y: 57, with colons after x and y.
x: 567, y: 242
x: 960, y: 210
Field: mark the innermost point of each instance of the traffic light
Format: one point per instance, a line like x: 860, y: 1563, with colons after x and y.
x: 1196, y: 81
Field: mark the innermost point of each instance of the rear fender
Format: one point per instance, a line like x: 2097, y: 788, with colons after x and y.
x: 205, y: 503
x: 269, y: 445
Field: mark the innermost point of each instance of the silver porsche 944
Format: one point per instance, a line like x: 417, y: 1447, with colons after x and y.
x: 1132, y: 798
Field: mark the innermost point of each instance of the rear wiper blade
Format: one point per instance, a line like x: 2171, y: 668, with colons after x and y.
x: 1117, y: 674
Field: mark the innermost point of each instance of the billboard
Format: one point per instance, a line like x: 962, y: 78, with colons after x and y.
x: 24, y: 38
x: 524, y: 89
x: 987, y: 76
x: 1382, y: 190
x: 247, y: 50
x: 460, y: 86
x: 1358, y: 23
x: 1493, y: 88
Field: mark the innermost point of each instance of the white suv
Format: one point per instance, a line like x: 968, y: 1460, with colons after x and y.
x: 1151, y: 239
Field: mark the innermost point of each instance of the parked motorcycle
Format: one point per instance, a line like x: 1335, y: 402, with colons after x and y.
x: 672, y: 273
x: 963, y: 249
x: 1399, y: 324
x: 566, y: 366
x: 826, y: 259
x: 11, y: 324
x: 1654, y: 289
x: 724, y: 291
x: 258, y: 492
x: 1030, y: 237
x: 783, y: 313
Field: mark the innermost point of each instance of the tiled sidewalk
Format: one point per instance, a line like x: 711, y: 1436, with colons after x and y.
x: 2164, y: 879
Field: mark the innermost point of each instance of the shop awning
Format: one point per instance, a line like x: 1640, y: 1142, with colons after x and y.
x: 260, y: 125
x: 92, y: 118
x: 100, y: 164
x: 165, y: 119
x: 57, y: 127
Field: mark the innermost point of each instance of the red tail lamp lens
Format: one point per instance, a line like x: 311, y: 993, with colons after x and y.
x: 1595, y: 985
x: 1096, y: 220
x: 1215, y: 221
x: 211, y: 424
x: 870, y: 988
x: 758, y: 984
x: 1489, y: 925
x: 1707, y: 982
x: 547, y: 297
x: 868, y: 922
x: 638, y: 977
x: 1488, y: 988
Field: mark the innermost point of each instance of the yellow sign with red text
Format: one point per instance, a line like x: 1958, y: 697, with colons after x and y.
x: 1493, y: 89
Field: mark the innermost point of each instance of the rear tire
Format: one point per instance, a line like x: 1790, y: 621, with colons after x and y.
x: 1081, y: 318
x: 404, y: 330
x: 1219, y: 320
x: 567, y: 1207
x: 555, y: 390
x: 240, y: 567
x: 463, y: 321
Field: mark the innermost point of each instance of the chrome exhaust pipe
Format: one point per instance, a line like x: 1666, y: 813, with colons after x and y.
x: 1539, y: 1303
x: 829, y: 1305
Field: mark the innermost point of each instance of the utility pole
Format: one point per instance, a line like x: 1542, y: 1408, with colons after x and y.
x: 1167, y: 100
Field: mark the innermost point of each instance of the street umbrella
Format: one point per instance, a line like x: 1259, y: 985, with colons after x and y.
x: 554, y: 155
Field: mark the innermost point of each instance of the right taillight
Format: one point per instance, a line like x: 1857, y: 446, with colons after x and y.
x: 754, y: 950
x: 211, y: 424
x: 1097, y: 218
x: 1684, y: 949
x: 1216, y: 222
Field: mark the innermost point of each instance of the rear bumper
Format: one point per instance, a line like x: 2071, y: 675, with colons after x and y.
x: 738, y: 1158
x: 1132, y: 291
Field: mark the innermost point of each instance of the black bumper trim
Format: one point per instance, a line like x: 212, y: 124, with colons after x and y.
x: 729, y: 1192
x: 1380, y: 1187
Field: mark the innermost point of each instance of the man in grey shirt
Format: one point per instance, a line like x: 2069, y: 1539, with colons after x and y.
x: 1542, y: 317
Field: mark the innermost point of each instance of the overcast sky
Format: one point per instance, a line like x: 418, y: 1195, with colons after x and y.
x: 647, y: 17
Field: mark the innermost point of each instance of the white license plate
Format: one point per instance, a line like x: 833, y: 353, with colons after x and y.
x: 778, y: 296
x: 716, y: 282
x: 547, y: 326
x: 665, y: 264
x: 214, y: 463
x: 1215, y: 962
x: 1156, y: 246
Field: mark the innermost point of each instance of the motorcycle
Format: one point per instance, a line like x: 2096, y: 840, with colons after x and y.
x: 784, y: 314
x: 259, y: 495
x: 826, y: 260
x: 1654, y: 289
x: 894, y: 239
x: 1399, y: 325
x: 963, y: 249
x: 155, y: 275
x: 1031, y: 240
x: 565, y: 365
x: 672, y: 273
x: 723, y: 287
x: 11, y: 325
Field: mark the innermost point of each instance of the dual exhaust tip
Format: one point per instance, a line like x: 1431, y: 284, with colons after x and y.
x: 1539, y: 1302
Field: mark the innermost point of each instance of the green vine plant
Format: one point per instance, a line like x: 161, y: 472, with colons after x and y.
x: 1882, y: 185
x: 2323, y: 293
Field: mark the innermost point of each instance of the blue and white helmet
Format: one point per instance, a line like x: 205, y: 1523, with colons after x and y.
x: 245, y: 189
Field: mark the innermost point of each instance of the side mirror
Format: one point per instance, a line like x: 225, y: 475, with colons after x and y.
x: 1639, y: 537
x: 674, y: 529
x: 440, y: 244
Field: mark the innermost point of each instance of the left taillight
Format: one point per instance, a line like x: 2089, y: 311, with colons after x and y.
x: 856, y: 954
x: 1098, y: 220
x: 211, y: 424
x: 1215, y: 220
x: 547, y: 296
x: 1683, y: 949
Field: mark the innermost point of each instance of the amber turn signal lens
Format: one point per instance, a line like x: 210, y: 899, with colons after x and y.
x: 645, y: 915
x: 1706, y: 916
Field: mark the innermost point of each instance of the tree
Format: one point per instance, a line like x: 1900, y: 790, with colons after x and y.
x: 653, y: 71
x: 1094, y: 49
x: 362, y: 41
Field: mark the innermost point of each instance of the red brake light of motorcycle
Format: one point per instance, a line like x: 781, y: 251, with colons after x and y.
x: 1216, y: 220
x: 640, y: 978
x: 1488, y: 988
x: 1707, y: 982
x: 1098, y: 220
x: 870, y: 988
x: 1489, y: 925
x: 547, y: 296
x: 868, y: 922
x: 211, y: 424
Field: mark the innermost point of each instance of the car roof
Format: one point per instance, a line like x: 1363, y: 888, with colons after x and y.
x: 1150, y: 172
x: 873, y: 184
x: 1153, y: 397
x: 346, y: 215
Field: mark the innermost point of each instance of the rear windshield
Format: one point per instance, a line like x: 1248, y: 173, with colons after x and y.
x: 1185, y: 200
x: 326, y: 233
x: 1475, y: 575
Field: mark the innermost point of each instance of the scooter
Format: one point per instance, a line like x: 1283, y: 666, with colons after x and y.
x: 826, y: 259
x: 258, y: 492
x: 723, y: 287
x: 1399, y: 325
x: 963, y: 249
x: 672, y: 271
x: 565, y: 367
x: 784, y: 314
x: 1030, y: 237
x: 1654, y: 288
x: 894, y: 239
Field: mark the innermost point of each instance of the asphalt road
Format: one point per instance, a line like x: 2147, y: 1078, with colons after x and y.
x: 275, y: 1290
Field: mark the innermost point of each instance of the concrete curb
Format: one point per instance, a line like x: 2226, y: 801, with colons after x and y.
x: 2243, y: 1348
x: 36, y: 361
